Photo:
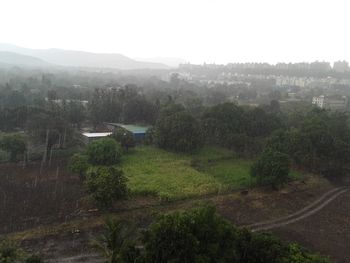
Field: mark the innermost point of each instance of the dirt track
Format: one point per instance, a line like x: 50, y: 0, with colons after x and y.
x: 309, y: 210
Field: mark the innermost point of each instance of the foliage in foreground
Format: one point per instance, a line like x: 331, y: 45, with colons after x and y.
x: 11, y: 253
x: 114, y: 240
x: 106, y: 184
x: 202, y: 236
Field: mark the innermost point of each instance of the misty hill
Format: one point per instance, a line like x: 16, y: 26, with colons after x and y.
x: 71, y: 58
x: 11, y: 58
x: 169, y: 61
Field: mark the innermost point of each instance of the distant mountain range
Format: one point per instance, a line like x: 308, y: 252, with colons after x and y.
x: 11, y: 58
x: 14, y: 55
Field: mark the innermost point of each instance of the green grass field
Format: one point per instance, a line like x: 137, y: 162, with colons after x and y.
x: 171, y: 176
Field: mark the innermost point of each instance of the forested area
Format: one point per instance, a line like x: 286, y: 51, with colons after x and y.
x: 184, y: 117
x: 197, y: 132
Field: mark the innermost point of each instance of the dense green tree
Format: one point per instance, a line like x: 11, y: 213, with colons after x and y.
x: 139, y: 110
x: 49, y: 129
x: 13, y: 144
x: 271, y: 168
x: 221, y: 121
x: 104, y: 151
x: 124, y: 137
x: 257, y: 122
x: 75, y: 113
x: 178, y: 132
x: 106, y: 184
x: 79, y: 163
x: 199, y: 235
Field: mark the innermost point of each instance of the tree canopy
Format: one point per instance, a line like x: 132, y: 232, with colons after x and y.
x: 104, y: 151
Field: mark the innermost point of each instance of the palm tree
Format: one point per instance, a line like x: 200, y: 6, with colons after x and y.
x: 116, y: 236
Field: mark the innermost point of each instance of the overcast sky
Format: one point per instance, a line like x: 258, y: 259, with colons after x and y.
x: 218, y: 31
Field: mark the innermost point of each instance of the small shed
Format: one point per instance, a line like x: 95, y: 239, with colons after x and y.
x: 91, y: 136
x: 139, y: 132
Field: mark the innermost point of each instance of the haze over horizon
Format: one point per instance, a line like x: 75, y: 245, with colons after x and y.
x: 197, y: 31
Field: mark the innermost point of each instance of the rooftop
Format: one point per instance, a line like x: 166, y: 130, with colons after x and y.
x: 132, y: 128
x: 96, y: 134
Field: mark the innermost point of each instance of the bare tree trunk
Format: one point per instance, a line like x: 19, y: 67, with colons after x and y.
x: 57, y: 173
x: 24, y: 159
x: 51, y: 150
x: 45, y: 152
x: 64, y: 137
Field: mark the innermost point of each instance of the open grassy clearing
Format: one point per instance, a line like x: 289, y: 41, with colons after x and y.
x: 172, y: 176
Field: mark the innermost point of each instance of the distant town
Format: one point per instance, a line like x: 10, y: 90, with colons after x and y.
x: 319, y: 83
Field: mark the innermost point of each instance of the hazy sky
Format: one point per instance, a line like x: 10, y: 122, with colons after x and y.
x: 218, y: 31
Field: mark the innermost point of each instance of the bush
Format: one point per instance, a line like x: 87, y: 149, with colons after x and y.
x: 104, y: 151
x: 34, y: 259
x: 272, y: 168
x: 150, y: 136
x: 106, y: 184
x: 14, y: 144
x: 10, y: 252
x: 124, y: 137
x: 79, y: 164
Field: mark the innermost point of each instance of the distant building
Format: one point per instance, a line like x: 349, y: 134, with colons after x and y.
x: 91, y: 136
x: 329, y: 103
x: 139, y: 132
x: 341, y: 66
x: 318, y: 101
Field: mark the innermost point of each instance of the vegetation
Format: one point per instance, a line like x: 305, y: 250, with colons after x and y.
x: 178, y: 132
x: 201, y: 235
x: 116, y: 238
x: 172, y: 176
x: 124, y: 137
x: 104, y: 151
x: 272, y: 168
x: 106, y: 184
x: 13, y: 144
x: 79, y: 163
x: 10, y: 253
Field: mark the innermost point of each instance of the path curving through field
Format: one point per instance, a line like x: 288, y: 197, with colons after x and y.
x: 307, y: 211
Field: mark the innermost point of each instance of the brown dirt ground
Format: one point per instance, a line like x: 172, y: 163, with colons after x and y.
x: 55, y: 221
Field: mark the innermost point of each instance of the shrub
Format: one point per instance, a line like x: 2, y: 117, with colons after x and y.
x: 34, y: 259
x: 79, y: 164
x: 124, y: 137
x: 10, y: 252
x: 272, y: 168
x: 106, y: 184
x: 150, y: 136
x: 104, y: 151
x: 13, y: 144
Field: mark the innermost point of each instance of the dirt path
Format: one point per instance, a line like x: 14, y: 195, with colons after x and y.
x: 88, y: 258
x: 309, y: 210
